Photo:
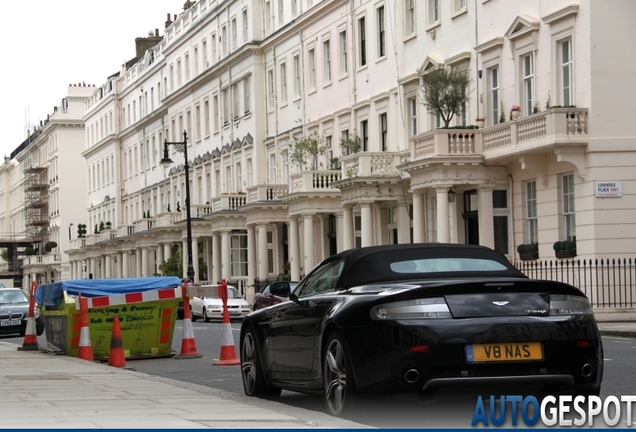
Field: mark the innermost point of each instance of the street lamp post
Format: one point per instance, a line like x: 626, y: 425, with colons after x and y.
x: 182, y: 147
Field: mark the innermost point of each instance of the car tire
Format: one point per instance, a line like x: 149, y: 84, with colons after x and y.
x: 206, y: 318
x: 193, y: 317
x: 339, y: 388
x: 252, y: 369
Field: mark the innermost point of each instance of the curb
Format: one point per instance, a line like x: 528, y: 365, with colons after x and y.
x: 619, y: 333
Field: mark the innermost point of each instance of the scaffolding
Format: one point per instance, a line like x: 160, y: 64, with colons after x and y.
x: 36, y: 197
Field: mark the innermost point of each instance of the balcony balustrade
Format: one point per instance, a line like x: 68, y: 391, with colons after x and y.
x: 125, y: 230
x: 308, y: 181
x: 370, y: 164
x: 266, y: 192
x: 144, y: 224
x: 227, y: 202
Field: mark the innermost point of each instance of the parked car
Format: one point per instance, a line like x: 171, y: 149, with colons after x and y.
x: 14, y: 312
x: 210, y: 308
x: 273, y: 293
x: 415, y: 317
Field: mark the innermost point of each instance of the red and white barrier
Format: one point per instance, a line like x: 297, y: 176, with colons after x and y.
x: 138, y: 297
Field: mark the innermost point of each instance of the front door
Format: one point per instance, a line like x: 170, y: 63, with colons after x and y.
x: 470, y: 215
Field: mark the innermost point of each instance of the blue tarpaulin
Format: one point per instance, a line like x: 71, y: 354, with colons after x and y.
x: 52, y: 294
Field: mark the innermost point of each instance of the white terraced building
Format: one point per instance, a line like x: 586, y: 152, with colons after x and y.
x: 243, y: 78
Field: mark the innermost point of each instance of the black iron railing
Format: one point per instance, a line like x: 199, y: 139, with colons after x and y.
x: 606, y: 282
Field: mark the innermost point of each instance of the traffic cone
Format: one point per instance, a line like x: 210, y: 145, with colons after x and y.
x: 188, y: 345
x: 85, y: 350
x: 228, y: 352
x: 116, y: 357
x: 30, y: 335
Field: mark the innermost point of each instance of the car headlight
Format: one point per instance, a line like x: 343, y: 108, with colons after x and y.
x: 562, y: 304
x: 412, y: 309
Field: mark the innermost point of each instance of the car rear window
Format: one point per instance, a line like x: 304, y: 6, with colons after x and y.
x: 435, y: 265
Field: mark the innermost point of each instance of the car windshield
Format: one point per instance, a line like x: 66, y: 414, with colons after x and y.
x: 13, y: 297
x: 232, y: 293
x: 434, y: 265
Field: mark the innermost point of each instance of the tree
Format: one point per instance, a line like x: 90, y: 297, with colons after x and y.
x: 81, y: 230
x: 350, y: 144
x: 305, y: 150
x: 444, y: 92
x: 173, y: 266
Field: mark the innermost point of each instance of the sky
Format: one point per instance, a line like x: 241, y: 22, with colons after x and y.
x: 48, y: 44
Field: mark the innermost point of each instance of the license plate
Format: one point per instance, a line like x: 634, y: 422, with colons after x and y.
x: 521, y: 351
x: 10, y: 323
x: 233, y: 312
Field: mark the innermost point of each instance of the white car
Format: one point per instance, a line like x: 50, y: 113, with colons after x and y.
x: 211, y: 308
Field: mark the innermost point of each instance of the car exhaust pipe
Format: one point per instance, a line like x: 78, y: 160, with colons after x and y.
x: 587, y: 370
x: 411, y: 375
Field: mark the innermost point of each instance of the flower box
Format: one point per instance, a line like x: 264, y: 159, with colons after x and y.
x: 565, y: 253
x: 529, y: 256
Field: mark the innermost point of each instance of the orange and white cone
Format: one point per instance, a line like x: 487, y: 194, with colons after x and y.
x: 116, y: 356
x: 228, y: 351
x: 85, y: 350
x: 30, y: 335
x: 188, y: 344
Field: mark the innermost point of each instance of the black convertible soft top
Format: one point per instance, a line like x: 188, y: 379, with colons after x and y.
x: 373, y: 264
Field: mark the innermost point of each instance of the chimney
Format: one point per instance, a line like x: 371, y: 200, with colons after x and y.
x: 168, y: 22
x: 157, y: 32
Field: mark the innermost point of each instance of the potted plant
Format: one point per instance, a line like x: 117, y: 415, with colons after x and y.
x: 565, y: 249
x: 49, y: 246
x: 515, y: 112
x: 528, y: 251
x: 480, y: 121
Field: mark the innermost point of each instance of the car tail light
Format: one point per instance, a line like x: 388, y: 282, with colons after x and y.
x: 412, y: 309
x: 583, y: 344
x: 562, y: 304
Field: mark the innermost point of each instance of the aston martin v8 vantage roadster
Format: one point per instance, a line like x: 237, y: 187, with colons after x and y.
x: 416, y: 317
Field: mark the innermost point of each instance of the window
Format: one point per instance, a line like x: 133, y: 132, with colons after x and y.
x: 326, y: 52
x: 196, y: 61
x: 381, y: 33
x: 329, y: 146
x: 281, y: 13
x: 412, y: 104
x: 215, y: 56
x: 383, y: 132
x: 245, y: 24
x: 362, y: 41
x: 238, y: 253
x: 459, y: 5
x: 234, y: 34
x: 567, y: 200
x: 294, y: 8
x: 283, y: 84
x: 343, y: 53
x: 239, y: 178
x: 235, y: 102
x: 228, y: 180
x: 270, y: 251
x: 246, y: 95
x: 178, y: 73
x: 204, y: 49
x: 296, y: 76
x: 206, y: 113
x: 364, y: 127
x: 226, y: 108
x: 527, y: 63
x: 494, y: 94
x: 433, y: 12
x: 215, y: 107
x: 249, y: 172
x: 565, y: 54
x: 272, y: 168
x: 197, y: 113
x: 312, y: 69
x: 322, y: 280
x: 270, y: 84
x: 532, y: 222
x: 187, y: 67
x: 285, y: 155
x: 500, y: 220
x: 410, y: 17
x: 223, y: 41
x: 268, y: 18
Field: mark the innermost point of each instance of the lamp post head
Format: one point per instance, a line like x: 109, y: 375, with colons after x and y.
x: 166, y: 161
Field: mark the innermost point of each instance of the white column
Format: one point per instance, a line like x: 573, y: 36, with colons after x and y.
x: 403, y: 223
x: 339, y: 232
x: 93, y: 268
x: 184, y: 258
x: 443, y: 229
x: 144, y: 262
x: 207, y: 255
x: 419, y: 229
x: 108, y: 274
x: 308, y: 225
x: 167, y: 251
x: 160, y: 258
x: 125, y: 264
x: 216, y: 258
x: 251, y: 255
x: 226, y: 270
x: 262, y: 252
x: 486, y: 217
x: 195, y: 259
x: 366, y: 226
x: 347, y: 228
x: 294, y: 250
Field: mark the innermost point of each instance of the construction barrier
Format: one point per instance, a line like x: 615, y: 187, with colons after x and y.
x: 116, y: 355
x: 228, y: 351
x: 85, y: 350
x: 188, y: 344
x: 30, y: 342
x: 147, y: 320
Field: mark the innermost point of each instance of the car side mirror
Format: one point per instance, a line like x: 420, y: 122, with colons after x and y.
x: 304, y: 303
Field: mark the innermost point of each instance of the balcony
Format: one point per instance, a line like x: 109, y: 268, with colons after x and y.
x: 43, y: 259
x: 367, y: 164
x: 169, y: 219
x: 447, y: 145
x: 199, y: 211
x: 536, y: 133
x: 107, y: 234
x: 77, y: 243
x: 266, y: 192
x: 125, y: 230
x: 227, y: 202
x: 315, y: 181
x: 144, y: 225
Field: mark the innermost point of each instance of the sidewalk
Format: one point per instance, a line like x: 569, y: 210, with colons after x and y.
x: 39, y: 390
x: 621, y: 323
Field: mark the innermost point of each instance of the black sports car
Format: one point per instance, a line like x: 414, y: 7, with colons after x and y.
x: 415, y: 317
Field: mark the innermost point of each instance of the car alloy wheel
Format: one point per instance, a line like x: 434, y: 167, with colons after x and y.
x: 339, y: 388
x: 252, y: 370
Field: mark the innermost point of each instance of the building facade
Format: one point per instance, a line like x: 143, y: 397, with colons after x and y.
x: 550, y: 161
